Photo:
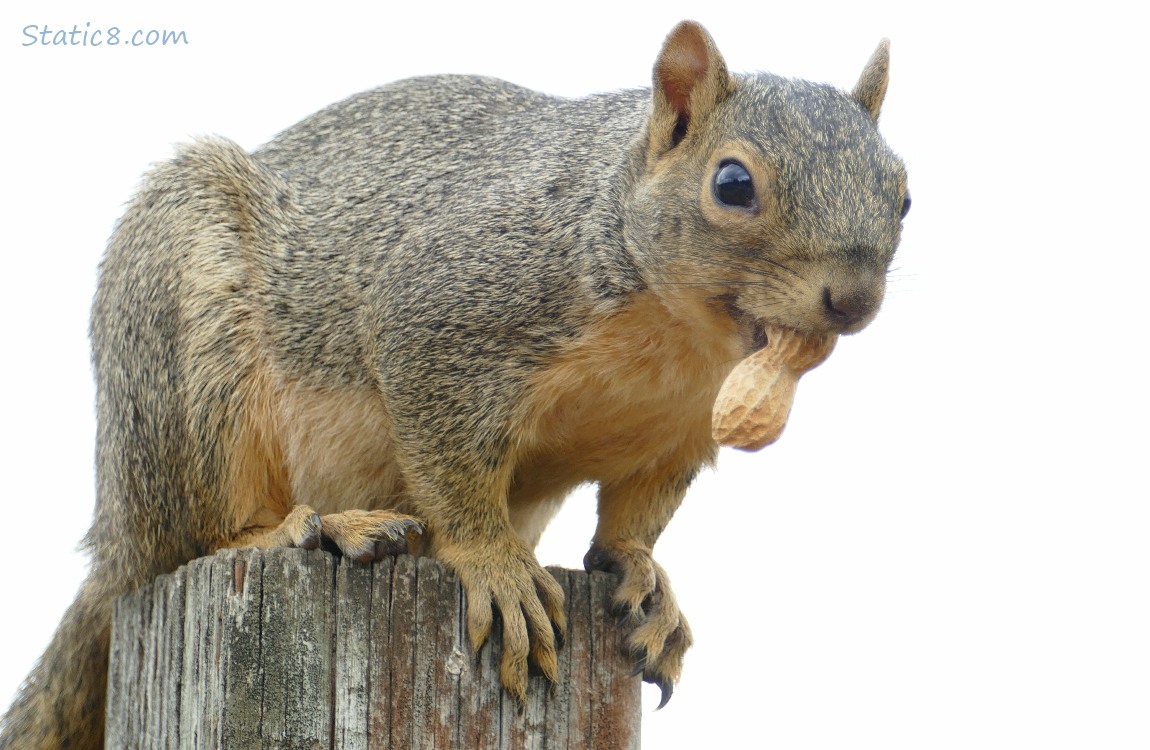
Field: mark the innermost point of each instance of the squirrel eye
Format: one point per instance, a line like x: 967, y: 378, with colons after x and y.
x: 905, y: 207
x: 733, y: 185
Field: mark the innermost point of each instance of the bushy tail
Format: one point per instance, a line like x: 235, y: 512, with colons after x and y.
x: 61, y: 703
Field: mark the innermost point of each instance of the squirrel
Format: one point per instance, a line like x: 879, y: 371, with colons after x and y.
x: 419, y: 317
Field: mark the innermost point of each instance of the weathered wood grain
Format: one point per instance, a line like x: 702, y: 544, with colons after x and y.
x: 296, y: 649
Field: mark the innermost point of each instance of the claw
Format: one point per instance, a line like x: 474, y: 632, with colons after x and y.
x: 666, y: 687
x: 410, y: 524
x: 314, y: 533
x: 397, y: 544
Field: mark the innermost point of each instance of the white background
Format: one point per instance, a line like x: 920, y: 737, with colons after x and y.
x: 948, y: 549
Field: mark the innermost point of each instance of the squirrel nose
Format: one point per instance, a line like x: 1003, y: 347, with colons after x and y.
x: 848, y: 310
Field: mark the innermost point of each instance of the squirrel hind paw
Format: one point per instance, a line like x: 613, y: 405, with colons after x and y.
x: 367, y: 535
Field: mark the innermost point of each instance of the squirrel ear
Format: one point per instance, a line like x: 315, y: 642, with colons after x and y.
x: 690, y: 80
x: 871, y: 88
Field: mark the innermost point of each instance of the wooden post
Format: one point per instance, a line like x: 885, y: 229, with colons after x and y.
x: 296, y: 649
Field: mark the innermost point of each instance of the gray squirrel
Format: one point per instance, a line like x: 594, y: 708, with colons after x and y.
x: 418, y: 318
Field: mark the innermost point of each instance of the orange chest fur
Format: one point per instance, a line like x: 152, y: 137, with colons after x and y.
x: 634, y: 393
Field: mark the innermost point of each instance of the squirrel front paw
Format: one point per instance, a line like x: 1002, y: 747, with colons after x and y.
x: 661, y: 635
x: 529, y: 600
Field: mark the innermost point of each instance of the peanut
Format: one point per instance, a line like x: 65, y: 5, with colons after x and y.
x: 755, y: 400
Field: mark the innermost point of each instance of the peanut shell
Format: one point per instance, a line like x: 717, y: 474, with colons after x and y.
x: 755, y: 400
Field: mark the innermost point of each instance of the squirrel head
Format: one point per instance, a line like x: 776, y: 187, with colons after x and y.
x: 776, y: 198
